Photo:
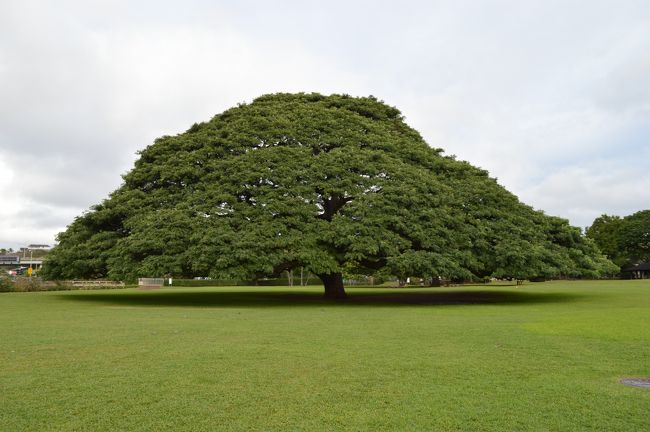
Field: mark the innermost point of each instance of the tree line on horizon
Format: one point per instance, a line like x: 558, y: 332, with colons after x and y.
x: 624, y: 240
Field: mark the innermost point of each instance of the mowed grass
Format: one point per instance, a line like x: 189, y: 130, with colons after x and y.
x: 537, y: 357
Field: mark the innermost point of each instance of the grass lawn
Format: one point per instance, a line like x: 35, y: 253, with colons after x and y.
x: 540, y: 357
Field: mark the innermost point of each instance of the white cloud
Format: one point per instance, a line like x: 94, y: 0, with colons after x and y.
x: 580, y: 192
x: 24, y: 219
x: 542, y: 94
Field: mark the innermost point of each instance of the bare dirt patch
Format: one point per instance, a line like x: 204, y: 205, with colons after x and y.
x: 636, y: 382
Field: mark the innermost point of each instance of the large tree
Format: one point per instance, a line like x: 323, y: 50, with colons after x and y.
x: 328, y: 183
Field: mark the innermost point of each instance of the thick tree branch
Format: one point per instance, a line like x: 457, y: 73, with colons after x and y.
x: 332, y: 205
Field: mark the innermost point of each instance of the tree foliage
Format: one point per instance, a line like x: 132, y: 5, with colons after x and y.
x: 328, y: 183
x: 626, y: 240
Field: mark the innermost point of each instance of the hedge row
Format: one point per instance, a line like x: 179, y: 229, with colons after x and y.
x: 35, y: 284
x: 260, y: 282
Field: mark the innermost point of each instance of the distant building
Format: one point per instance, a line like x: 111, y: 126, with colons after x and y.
x: 9, y: 260
x: 638, y: 271
x: 38, y: 247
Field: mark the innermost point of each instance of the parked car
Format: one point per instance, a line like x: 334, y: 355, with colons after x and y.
x: 17, y: 271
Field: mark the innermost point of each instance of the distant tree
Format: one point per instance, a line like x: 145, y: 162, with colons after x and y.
x: 605, y: 231
x: 626, y: 240
x: 330, y: 184
x: 635, y: 236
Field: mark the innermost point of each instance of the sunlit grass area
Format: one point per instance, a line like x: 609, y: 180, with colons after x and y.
x: 545, y: 356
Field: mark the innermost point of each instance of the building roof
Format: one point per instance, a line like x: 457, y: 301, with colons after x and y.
x: 642, y: 266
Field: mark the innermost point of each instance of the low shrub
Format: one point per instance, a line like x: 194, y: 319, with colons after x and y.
x: 6, y: 284
x: 29, y: 284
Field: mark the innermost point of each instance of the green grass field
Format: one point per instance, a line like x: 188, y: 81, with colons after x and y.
x: 542, y: 357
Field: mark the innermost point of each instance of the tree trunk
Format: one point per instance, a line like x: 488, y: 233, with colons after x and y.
x: 333, y: 283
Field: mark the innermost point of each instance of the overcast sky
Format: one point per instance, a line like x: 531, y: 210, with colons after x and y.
x: 551, y: 97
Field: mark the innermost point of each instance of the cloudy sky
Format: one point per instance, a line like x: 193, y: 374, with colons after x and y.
x: 552, y: 97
